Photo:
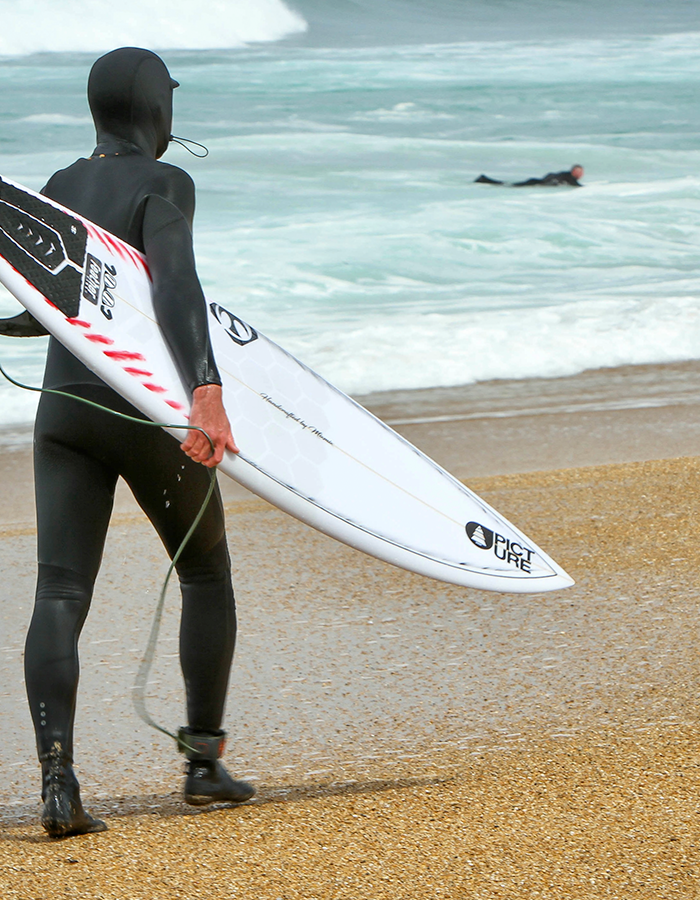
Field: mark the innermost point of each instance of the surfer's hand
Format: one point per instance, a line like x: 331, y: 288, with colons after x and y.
x: 208, y: 413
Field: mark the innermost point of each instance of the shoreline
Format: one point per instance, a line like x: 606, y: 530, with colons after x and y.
x: 597, y: 417
x: 645, y: 385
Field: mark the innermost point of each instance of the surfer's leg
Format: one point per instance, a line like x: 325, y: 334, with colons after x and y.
x: 207, y: 635
x: 170, y: 489
x: 74, y: 499
x: 171, y: 493
x: 207, y: 640
x: 484, y: 179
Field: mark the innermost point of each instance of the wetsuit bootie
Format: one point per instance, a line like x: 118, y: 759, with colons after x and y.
x: 63, y: 813
x: 207, y: 780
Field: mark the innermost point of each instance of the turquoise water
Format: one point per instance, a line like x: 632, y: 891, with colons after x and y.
x: 337, y: 210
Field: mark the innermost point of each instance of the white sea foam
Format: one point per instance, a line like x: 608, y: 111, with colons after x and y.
x: 93, y: 25
x: 401, y: 112
x: 56, y: 119
x: 393, y: 352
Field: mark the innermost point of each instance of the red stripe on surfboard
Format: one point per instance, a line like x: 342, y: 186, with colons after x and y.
x: 126, y: 251
x: 132, y: 371
x: 156, y: 388
x: 81, y: 322
x: 99, y: 339
x: 134, y: 255
x: 137, y: 259
x: 175, y: 405
x: 98, y: 236
x: 124, y: 355
x: 116, y: 247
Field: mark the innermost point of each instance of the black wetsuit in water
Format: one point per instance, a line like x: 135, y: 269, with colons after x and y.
x: 551, y: 179
x: 79, y: 452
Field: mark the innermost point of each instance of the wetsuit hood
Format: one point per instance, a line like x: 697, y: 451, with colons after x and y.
x: 130, y: 93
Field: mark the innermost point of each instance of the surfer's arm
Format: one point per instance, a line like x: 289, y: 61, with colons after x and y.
x: 178, y: 299
x: 181, y: 312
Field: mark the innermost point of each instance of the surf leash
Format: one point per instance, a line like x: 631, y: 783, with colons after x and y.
x: 138, y: 691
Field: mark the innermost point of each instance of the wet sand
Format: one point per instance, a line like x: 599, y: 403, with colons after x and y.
x: 408, y: 738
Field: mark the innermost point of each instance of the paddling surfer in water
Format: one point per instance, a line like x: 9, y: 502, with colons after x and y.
x: 80, y: 452
x: 551, y: 179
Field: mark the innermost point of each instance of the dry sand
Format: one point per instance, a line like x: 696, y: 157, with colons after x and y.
x: 408, y: 738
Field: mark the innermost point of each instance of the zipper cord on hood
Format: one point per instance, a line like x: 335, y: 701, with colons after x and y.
x: 138, y: 691
x: 183, y: 142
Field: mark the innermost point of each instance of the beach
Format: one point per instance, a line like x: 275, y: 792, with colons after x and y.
x: 407, y: 738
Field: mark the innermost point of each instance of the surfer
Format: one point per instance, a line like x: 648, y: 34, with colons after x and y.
x: 551, y: 179
x: 80, y: 452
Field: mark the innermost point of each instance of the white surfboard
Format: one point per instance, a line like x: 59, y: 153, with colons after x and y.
x: 305, y: 446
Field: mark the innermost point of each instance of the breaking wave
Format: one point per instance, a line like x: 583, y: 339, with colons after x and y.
x: 96, y: 25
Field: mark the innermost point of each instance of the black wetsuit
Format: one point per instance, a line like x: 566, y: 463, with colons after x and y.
x: 551, y: 179
x: 79, y: 452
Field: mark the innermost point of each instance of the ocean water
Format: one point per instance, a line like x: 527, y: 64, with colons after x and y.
x: 337, y: 210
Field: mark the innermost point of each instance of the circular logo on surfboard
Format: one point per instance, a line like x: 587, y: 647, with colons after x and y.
x: 479, y: 535
x: 238, y: 330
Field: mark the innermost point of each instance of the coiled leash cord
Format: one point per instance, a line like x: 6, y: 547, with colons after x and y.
x: 138, y: 691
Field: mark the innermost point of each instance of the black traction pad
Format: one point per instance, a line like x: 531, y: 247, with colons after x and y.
x: 41, y: 242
